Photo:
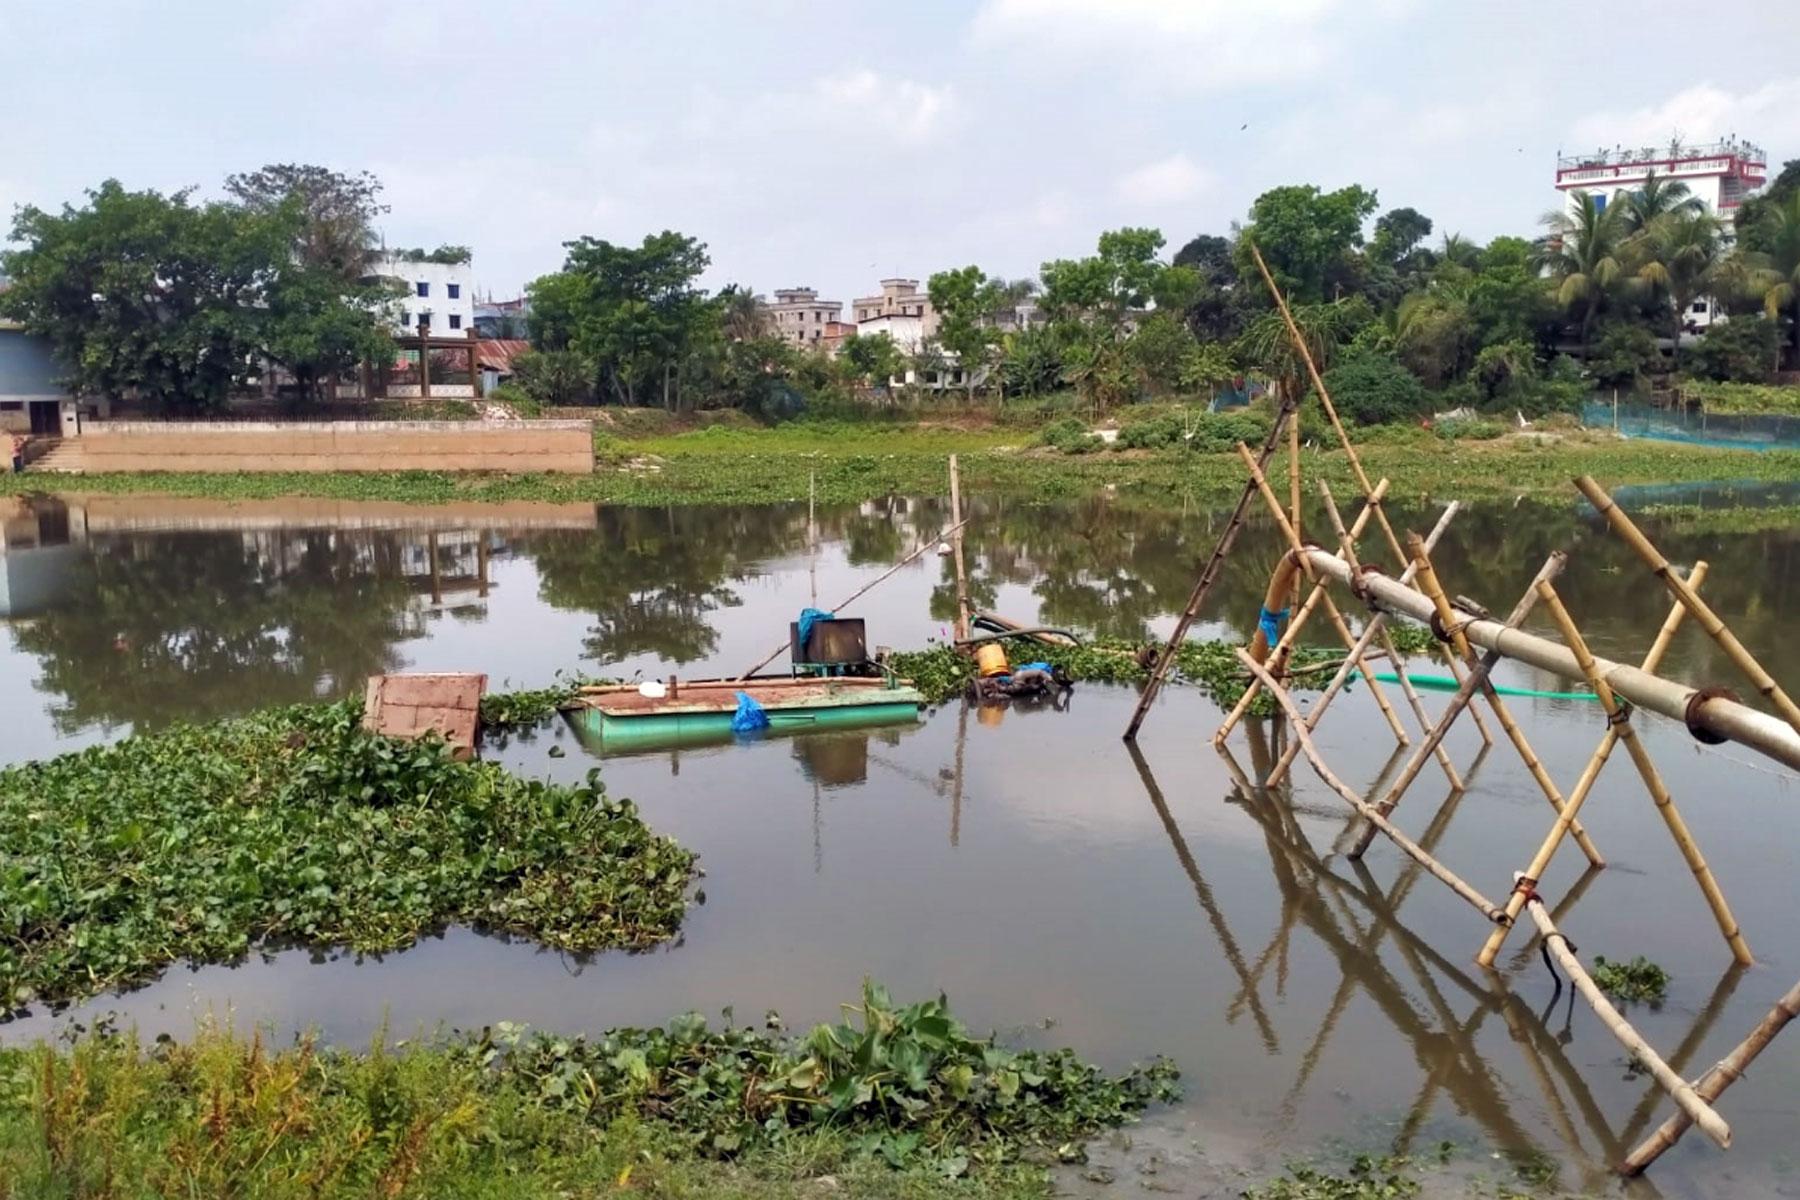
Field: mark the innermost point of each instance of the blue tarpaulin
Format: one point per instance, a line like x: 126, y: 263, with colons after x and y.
x: 749, y: 716
x: 808, y: 618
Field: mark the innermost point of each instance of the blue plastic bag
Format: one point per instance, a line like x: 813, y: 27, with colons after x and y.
x: 750, y: 716
x: 808, y: 618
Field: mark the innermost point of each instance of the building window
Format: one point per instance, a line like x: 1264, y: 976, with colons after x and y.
x: 454, y: 289
x: 456, y: 320
x: 424, y: 320
x: 1699, y: 306
x: 423, y: 289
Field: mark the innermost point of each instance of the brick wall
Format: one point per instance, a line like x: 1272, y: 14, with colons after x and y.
x: 517, y: 446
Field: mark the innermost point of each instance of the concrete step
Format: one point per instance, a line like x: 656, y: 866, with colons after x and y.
x: 65, y: 459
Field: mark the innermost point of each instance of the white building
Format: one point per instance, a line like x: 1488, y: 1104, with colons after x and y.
x: 801, y: 317
x: 1719, y: 174
x: 440, y: 294
x: 898, y: 298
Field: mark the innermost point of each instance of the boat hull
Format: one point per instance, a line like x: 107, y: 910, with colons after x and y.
x: 624, y: 723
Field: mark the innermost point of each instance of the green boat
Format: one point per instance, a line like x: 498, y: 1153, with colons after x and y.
x: 624, y: 720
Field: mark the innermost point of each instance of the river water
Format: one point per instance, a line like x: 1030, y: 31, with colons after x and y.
x: 1056, y: 884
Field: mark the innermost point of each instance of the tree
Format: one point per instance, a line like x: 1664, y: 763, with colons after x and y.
x: 1211, y: 257
x: 1434, y: 336
x: 743, y: 314
x: 1397, y: 232
x: 1370, y: 389
x: 964, y: 299
x: 632, y: 310
x: 1772, y: 269
x: 142, y: 293
x: 336, y: 231
x: 1658, y: 197
x: 1680, y: 254
x: 1030, y: 362
x: 1743, y: 349
x: 1093, y: 303
x: 875, y: 358
x: 1160, y: 346
x: 1325, y: 328
x: 1206, y: 368
x: 1581, y: 250
x: 558, y: 378
x: 1306, y: 236
x: 1755, y: 208
x: 1623, y: 354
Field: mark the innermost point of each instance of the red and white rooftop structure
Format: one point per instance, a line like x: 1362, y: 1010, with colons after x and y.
x: 1721, y: 173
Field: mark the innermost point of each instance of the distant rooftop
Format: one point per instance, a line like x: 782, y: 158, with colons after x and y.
x: 1673, y: 152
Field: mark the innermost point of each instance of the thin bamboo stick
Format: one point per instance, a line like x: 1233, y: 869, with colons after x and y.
x: 847, y: 601
x: 1703, y: 613
x: 1289, y: 636
x: 1620, y: 719
x: 1465, y: 692
x: 1682, y: 1092
x: 1540, y: 862
x: 1447, y: 617
x: 1413, y: 701
x: 1407, y: 846
x: 962, y: 580
x: 1376, y: 622
x: 1294, y: 485
x: 1712, y: 1085
x: 1209, y: 574
x: 1331, y: 610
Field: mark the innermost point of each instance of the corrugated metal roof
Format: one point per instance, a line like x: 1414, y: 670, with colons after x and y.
x: 497, y: 354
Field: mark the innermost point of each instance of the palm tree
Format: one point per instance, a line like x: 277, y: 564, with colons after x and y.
x: 1460, y: 251
x: 1659, y: 197
x: 1680, y: 255
x: 744, y: 314
x: 1773, y: 271
x: 1582, y: 251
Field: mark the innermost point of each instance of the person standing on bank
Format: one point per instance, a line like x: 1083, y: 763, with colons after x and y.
x: 16, y: 443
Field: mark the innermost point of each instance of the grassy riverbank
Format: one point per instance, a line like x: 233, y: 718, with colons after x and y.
x: 896, y: 1102
x: 856, y: 462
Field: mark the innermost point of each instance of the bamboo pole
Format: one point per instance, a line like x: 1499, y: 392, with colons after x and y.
x: 1679, y: 1089
x: 1387, y: 638
x: 1620, y: 719
x: 1465, y: 692
x: 1729, y: 719
x: 1331, y: 611
x: 1283, y: 647
x: 1331, y: 413
x: 1209, y: 575
x: 1540, y: 862
x: 962, y: 581
x: 1407, y: 846
x: 1348, y: 665
x: 1294, y: 486
x: 1447, y: 617
x: 860, y: 592
x: 1703, y: 613
x: 1712, y: 1085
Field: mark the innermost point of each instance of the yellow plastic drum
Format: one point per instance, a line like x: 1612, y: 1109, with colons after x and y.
x: 990, y: 660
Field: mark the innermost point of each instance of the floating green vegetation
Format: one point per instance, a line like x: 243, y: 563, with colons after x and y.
x: 941, y: 673
x: 295, y: 825
x: 1368, y: 1178
x: 902, y: 1101
x: 1639, y: 980
x: 531, y: 706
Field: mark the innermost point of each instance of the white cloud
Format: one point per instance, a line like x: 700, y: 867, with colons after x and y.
x: 1766, y: 115
x: 912, y: 113
x: 1166, y: 181
x: 1180, y: 44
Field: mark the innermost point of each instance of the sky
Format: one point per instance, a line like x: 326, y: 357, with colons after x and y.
x: 834, y: 145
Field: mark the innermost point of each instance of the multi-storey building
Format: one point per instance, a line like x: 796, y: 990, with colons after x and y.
x: 799, y: 316
x: 898, y: 298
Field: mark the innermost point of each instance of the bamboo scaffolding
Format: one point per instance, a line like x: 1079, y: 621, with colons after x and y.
x: 1540, y: 862
x: 1407, y: 846
x: 1679, y: 1089
x: 1348, y: 542
x: 1465, y: 692
x: 1703, y: 613
x: 1369, y: 633
x: 1331, y: 610
x: 1712, y: 1085
x: 1620, y: 720
x: 1448, y: 620
x: 1278, y: 654
x: 847, y: 601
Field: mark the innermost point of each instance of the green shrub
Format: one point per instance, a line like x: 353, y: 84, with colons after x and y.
x: 1069, y: 435
x: 1622, y: 355
x: 1637, y: 980
x: 1745, y: 399
x: 1475, y: 429
x: 517, y: 399
x: 557, y: 378
x: 1740, y: 350
x: 1372, y: 389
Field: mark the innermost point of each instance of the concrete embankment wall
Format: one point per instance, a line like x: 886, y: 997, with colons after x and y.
x: 516, y: 446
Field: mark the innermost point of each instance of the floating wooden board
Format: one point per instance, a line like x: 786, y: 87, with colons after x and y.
x: 405, y: 706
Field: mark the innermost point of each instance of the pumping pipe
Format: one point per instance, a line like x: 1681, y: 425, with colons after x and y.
x: 1703, y: 712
